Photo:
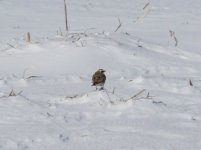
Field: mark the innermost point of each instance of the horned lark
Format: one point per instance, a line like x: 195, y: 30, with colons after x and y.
x: 98, y: 79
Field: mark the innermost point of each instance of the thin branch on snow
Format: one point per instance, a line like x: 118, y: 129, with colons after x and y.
x: 31, y: 77
x: 119, y: 26
x: 146, y: 5
x: 146, y: 11
x: 134, y: 96
x: 10, y: 45
x: 74, y: 96
x: 159, y: 103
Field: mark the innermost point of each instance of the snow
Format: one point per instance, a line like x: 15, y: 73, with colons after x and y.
x: 148, y: 102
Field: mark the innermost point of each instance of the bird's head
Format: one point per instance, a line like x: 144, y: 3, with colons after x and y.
x: 101, y: 70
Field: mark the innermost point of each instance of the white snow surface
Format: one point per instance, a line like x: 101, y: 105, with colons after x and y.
x: 46, y: 98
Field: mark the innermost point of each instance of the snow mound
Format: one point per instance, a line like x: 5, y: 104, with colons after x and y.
x: 153, y: 88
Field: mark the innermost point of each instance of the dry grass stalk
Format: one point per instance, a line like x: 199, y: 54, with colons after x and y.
x: 12, y: 93
x: 134, y: 96
x: 10, y: 45
x: 173, y: 36
x: 119, y: 26
x: 28, y: 37
x: 146, y: 11
x: 66, y: 19
x: 190, y: 83
x: 146, y: 5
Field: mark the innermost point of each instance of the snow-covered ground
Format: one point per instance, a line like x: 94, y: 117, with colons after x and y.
x: 148, y: 102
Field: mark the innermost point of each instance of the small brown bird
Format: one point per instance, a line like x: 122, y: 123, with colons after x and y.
x: 98, y: 79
